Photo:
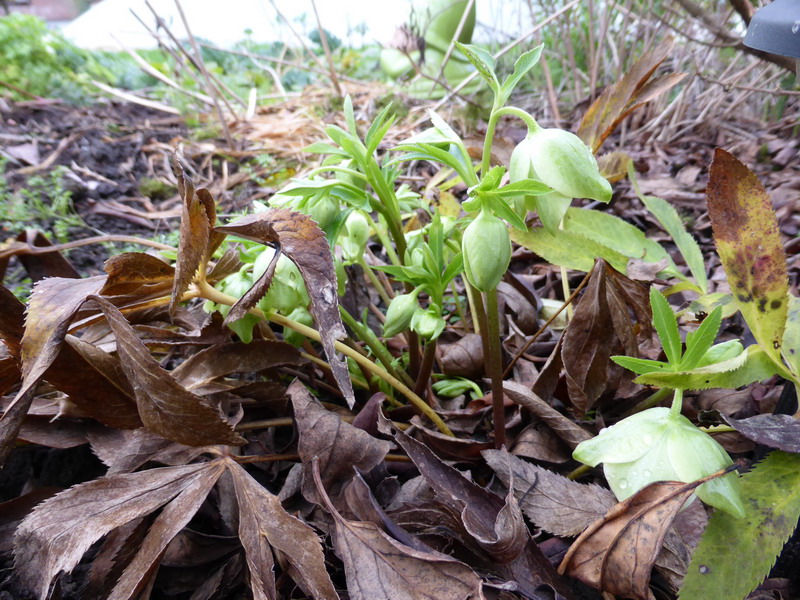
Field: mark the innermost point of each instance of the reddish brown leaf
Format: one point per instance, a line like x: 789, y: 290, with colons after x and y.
x: 563, y: 427
x: 377, y: 566
x: 10, y: 373
x: 198, y: 217
x: 130, y: 270
x: 124, y: 451
x: 265, y: 527
x: 41, y: 266
x: 616, y: 553
x: 218, y: 361
x: 54, y: 537
x: 338, y: 445
x: 776, y: 431
x: 13, y: 511
x: 12, y: 321
x: 166, y: 407
x: 629, y: 93
x: 301, y: 239
x: 464, y: 357
x: 551, y: 501
x: 750, y: 249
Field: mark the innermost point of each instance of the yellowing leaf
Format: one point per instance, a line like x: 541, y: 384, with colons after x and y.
x: 749, y: 246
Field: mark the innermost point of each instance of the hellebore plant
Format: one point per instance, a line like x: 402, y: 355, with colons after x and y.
x: 660, y: 444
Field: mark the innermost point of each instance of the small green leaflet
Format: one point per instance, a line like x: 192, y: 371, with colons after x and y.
x: 666, y: 326
x: 751, y: 365
x: 483, y: 61
x: 735, y: 555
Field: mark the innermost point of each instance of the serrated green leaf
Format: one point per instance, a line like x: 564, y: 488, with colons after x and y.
x: 528, y: 187
x: 790, y: 348
x: 568, y: 249
x: 504, y: 211
x: 701, y: 341
x: 751, y: 365
x: 615, y: 233
x: 482, y: 61
x: 666, y: 325
x: 641, y: 366
x: 735, y: 555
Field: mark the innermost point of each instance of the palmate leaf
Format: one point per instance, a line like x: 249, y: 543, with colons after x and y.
x: 735, y: 555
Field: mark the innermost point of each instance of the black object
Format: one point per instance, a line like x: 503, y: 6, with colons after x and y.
x: 776, y: 28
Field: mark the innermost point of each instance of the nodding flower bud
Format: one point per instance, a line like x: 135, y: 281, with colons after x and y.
x: 356, y: 235
x: 661, y: 445
x: 400, y: 313
x: 486, y: 247
x: 561, y: 160
x: 428, y: 322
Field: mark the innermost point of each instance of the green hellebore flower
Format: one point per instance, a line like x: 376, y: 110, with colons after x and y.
x: 561, y: 160
x: 400, y: 313
x: 428, y: 322
x: 661, y: 445
x: 486, y: 247
x: 356, y: 235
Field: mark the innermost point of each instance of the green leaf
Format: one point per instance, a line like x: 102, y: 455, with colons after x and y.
x: 430, y: 152
x: 378, y: 129
x: 483, y: 61
x: 454, y: 268
x: 615, y: 233
x: 666, y: 325
x: 751, y: 365
x: 349, y: 117
x: 641, y: 366
x: 504, y: 211
x: 750, y: 248
x: 790, y: 349
x: 324, y: 148
x: 524, y: 64
x: 701, y: 341
x: 568, y: 249
x: 735, y: 555
x: 669, y: 219
x: 527, y: 187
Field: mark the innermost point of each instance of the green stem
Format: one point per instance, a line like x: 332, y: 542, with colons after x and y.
x: 492, y: 125
x: 495, y: 368
x: 209, y: 293
x: 377, y: 348
x: 677, y: 402
x: 656, y: 398
x: 380, y: 231
x: 459, y: 308
x: 374, y: 281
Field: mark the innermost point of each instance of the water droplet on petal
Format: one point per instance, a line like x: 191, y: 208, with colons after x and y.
x: 634, y: 473
x: 623, y: 484
x: 646, y: 473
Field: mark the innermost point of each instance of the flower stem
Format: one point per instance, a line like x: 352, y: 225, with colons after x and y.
x: 677, y: 402
x: 495, y: 368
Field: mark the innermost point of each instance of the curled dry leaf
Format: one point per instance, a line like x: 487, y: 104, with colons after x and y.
x: 197, y: 241
x: 42, y: 266
x: 616, y: 553
x: 568, y: 431
x: 166, y: 407
x: 54, y: 537
x: 338, y: 445
x: 300, y: 238
x: 131, y: 270
x: 264, y: 528
x: 377, y: 566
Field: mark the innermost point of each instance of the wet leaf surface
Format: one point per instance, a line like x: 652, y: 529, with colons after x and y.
x: 776, y: 431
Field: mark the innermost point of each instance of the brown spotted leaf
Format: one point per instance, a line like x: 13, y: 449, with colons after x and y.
x: 166, y: 407
x: 54, y: 537
x: 300, y: 238
x: 749, y: 246
x: 338, y: 445
x: 378, y: 566
x: 616, y: 553
x: 629, y: 93
x: 265, y: 527
x: 556, y: 504
x: 197, y: 241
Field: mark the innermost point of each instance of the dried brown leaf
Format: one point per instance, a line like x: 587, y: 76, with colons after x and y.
x: 12, y: 321
x: 556, y: 504
x: 300, y: 238
x: 776, y: 431
x: 537, y: 441
x: 338, y: 445
x: 54, y: 537
x: 264, y: 528
x: 463, y: 357
x: 174, y: 517
x: 377, y: 566
x: 568, y: 431
x: 41, y: 266
x: 124, y: 451
x: 495, y: 524
x: 130, y: 270
x: 166, y: 407
x: 220, y: 360
x: 629, y: 93
x: 616, y: 553
x: 198, y: 217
